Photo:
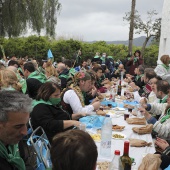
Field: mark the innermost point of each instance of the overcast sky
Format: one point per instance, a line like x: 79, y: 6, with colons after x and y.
x: 100, y: 19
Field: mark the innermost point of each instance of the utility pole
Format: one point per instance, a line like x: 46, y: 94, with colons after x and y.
x: 132, y: 17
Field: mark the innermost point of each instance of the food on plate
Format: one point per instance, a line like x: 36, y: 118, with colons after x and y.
x: 118, y: 136
x: 100, y: 97
x: 107, y: 95
x: 103, y: 165
x: 105, y: 107
x: 110, y: 111
x: 120, y: 97
x: 128, y: 106
x: 130, y: 89
x: 96, y: 137
x: 99, y: 131
x: 100, y: 112
x: 117, y: 127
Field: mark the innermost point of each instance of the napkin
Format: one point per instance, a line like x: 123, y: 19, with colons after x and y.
x: 139, y: 143
x: 150, y: 162
x: 143, y: 130
x: 136, y: 120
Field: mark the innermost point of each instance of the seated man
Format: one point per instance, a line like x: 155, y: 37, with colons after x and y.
x: 14, y: 116
x: 162, y: 125
x: 148, y: 75
x: 34, y: 80
x: 102, y: 83
x: 63, y: 74
x: 119, y: 71
x: 73, y: 150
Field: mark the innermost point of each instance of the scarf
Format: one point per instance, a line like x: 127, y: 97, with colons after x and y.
x: 13, y: 156
x: 165, y: 66
x: 36, y: 102
x: 164, y: 100
x: 166, y: 116
x: 36, y: 75
x: 135, y: 60
x: 138, y: 77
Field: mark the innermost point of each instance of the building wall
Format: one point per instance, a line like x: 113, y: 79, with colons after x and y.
x: 164, y: 46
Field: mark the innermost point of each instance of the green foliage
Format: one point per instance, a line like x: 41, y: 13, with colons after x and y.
x: 17, y: 16
x: 151, y: 55
x: 37, y: 47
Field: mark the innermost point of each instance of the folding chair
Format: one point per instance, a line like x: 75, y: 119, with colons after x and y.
x: 41, y: 145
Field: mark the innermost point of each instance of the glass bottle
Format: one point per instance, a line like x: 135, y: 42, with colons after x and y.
x: 125, y: 161
x: 119, y: 89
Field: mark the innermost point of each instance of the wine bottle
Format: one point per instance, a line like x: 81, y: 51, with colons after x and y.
x: 119, y: 89
x: 125, y: 161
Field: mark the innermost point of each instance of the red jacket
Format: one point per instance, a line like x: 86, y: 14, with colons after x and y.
x: 132, y: 66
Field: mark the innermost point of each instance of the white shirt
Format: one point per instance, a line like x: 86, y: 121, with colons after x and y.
x: 71, y: 98
x: 163, y: 73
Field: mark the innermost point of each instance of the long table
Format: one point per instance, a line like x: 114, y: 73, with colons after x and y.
x: 135, y: 152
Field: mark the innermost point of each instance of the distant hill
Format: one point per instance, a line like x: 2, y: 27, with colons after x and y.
x: 136, y: 41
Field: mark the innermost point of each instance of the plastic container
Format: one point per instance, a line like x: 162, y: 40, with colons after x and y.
x: 106, y: 136
x: 114, y: 165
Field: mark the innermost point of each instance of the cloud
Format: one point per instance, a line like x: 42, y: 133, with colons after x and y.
x: 100, y: 20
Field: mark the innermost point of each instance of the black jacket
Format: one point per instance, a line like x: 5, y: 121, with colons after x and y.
x: 50, y: 118
x: 32, y: 87
x: 63, y: 76
x: 5, y: 165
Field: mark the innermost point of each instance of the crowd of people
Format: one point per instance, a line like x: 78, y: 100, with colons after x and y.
x: 56, y: 96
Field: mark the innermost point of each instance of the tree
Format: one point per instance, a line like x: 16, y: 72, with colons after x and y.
x: 131, y: 29
x: 151, y: 27
x: 38, y: 15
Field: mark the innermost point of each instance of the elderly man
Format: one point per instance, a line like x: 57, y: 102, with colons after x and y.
x: 63, y: 74
x: 119, y: 70
x: 14, y: 116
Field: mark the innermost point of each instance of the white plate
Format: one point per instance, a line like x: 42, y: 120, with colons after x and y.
x: 124, y: 136
x: 118, y: 109
x: 118, y: 130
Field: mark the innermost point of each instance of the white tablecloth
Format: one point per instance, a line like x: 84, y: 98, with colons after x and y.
x: 135, y: 152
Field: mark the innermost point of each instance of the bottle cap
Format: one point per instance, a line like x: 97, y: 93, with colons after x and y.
x: 107, y: 115
x: 117, y: 152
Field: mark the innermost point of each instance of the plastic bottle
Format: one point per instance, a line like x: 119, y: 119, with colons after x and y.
x: 106, y: 136
x: 114, y: 165
x: 125, y: 161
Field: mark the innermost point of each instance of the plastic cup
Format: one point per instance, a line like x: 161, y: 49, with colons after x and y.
x: 130, y: 110
x: 82, y: 127
x: 126, y: 115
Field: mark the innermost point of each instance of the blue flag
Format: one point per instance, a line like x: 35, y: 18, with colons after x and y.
x: 49, y: 54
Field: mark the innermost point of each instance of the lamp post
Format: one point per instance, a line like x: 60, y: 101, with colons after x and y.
x: 1, y: 19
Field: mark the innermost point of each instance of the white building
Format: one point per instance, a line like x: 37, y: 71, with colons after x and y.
x: 164, y: 46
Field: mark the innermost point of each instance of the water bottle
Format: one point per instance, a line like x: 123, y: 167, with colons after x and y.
x: 106, y: 136
x: 114, y: 165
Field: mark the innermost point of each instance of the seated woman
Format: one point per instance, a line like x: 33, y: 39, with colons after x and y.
x: 72, y: 98
x: 163, y: 70
x: 48, y: 114
x: 9, y: 80
x: 162, y: 125
x: 73, y: 150
x: 92, y: 94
